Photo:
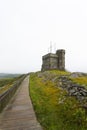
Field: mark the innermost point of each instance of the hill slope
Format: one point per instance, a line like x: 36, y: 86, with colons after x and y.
x: 55, y: 108
x: 6, y: 75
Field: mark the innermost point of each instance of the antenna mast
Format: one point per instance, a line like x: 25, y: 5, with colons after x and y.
x: 54, y: 47
x: 51, y: 47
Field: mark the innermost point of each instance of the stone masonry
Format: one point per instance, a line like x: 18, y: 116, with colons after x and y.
x: 54, y: 61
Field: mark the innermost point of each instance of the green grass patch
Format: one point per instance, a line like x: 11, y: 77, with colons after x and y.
x: 60, y: 73
x: 80, y: 80
x: 53, y: 108
x: 7, y: 83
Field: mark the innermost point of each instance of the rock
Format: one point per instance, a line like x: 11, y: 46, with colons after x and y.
x: 77, y: 74
x: 73, y: 89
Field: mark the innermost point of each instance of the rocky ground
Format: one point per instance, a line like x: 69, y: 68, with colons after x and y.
x: 64, y: 81
x: 73, y: 89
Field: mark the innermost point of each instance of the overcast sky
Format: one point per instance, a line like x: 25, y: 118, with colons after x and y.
x: 28, y: 26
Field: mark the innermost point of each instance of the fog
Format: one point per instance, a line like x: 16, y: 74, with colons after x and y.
x: 27, y: 27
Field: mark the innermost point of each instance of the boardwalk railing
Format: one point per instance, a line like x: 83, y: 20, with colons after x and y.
x: 6, y: 96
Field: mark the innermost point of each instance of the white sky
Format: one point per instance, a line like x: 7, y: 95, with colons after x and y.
x: 28, y: 26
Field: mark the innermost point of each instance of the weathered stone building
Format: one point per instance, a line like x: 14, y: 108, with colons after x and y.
x: 54, y: 61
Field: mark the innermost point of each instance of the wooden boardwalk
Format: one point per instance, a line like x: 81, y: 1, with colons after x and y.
x: 19, y: 114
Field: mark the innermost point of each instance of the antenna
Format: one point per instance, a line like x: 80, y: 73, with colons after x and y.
x: 51, y: 47
x: 48, y: 50
x: 54, y: 47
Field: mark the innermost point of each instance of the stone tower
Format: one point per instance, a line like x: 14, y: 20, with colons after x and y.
x: 61, y: 59
x: 54, y: 61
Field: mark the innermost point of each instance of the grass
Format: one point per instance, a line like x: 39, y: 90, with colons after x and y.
x: 6, y: 83
x: 80, y: 80
x: 60, y: 73
x: 53, y: 108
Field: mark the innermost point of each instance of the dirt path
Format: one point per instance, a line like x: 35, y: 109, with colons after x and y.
x: 19, y: 114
